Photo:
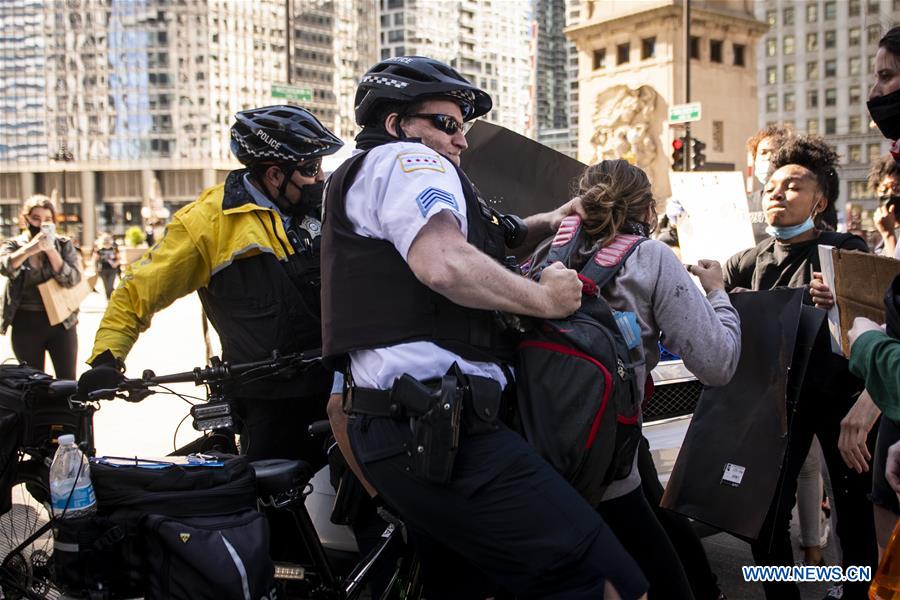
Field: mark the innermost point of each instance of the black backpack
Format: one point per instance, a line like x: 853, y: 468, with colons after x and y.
x: 578, y: 398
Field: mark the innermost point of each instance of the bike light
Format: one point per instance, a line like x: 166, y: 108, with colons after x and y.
x: 212, y: 416
x: 289, y: 571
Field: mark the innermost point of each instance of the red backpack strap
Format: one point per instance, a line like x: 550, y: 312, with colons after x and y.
x: 607, y: 261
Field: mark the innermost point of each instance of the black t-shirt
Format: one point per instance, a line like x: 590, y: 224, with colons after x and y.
x: 772, y: 264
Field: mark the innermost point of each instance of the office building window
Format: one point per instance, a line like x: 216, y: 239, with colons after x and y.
x: 771, y: 48
x: 870, y: 64
x: 812, y: 126
x: 830, y: 67
x: 812, y: 42
x: 771, y: 103
x: 853, y: 8
x: 789, y: 16
x: 812, y: 13
x: 830, y: 39
x: 874, y: 152
x: 771, y: 75
x: 854, y: 66
x: 853, y: 36
x: 695, y: 47
x: 739, y: 55
x: 788, y: 44
x: 812, y: 70
x: 873, y: 34
x: 812, y: 98
x: 790, y: 73
x: 854, y: 124
x: 831, y: 97
x: 771, y: 18
x: 830, y: 126
x: 600, y: 59
x: 789, y: 103
x: 718, y: 136
x: 830, y: 10
x: 872, y: 7
x: 715, y: 51
x: 648, y: 48
x: 854, y: 153
x: 854, y: 94
x: 622, y: 53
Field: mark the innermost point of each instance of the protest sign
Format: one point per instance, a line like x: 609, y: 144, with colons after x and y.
x: 717, y: 224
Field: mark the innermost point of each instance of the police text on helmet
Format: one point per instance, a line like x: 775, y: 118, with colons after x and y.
x: 268, y: 139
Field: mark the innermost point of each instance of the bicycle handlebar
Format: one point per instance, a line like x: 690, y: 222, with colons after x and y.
x: 218, y: 372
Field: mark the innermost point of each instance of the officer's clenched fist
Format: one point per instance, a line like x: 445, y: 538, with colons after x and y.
x: 562, y: 291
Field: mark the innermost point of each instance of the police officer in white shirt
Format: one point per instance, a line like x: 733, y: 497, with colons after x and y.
x: 413, y: 281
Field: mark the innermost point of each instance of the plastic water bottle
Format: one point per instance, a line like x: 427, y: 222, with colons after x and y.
x: 71, y: 490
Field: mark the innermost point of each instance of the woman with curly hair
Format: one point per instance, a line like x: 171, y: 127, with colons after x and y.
x: 802, y: 188
x: 703, y: 329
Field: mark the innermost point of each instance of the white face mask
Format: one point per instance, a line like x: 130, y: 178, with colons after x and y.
x: 761, y: 169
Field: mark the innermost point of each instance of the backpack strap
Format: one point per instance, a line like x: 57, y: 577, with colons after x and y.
x: 565, y: 241
x: 607, y: 261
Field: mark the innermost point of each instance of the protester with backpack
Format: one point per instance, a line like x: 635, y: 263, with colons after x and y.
x: 651, y: 295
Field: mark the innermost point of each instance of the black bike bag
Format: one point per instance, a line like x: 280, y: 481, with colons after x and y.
x: 171, y: 531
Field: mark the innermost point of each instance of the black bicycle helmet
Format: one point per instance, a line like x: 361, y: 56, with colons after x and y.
x: 411, y: 78
x: 280, y: 134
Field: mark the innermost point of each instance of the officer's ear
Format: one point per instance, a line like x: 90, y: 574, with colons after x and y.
x: 391, y: 122
x: 273, y: 176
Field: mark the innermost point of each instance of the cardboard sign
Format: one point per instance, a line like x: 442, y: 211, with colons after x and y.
x: 60, y: 302
x: 717, y: 224
x: 860, y: 280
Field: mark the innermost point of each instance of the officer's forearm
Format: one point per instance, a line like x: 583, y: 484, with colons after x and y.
x: 442, y: 259
x: 338, y: 419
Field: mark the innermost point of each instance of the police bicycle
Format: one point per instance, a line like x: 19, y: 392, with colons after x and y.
x: 291, y: 486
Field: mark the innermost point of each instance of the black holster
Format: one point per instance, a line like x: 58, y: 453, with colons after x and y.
x: 456, y: 403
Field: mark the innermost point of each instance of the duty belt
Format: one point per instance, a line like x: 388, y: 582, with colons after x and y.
x: 379, y: 403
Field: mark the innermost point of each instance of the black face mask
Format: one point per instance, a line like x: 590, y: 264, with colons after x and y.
x: 33, y: 229
x: 885, y: 111
x: 310, y: 203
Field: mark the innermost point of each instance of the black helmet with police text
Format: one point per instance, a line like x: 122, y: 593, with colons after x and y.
x: 280, y: 134
x: 411, y: 78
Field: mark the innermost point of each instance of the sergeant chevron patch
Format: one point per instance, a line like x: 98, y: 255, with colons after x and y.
x: 432, y: 196
x: 415, y: 161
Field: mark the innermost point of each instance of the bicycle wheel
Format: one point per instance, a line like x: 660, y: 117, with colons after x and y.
x: 29, y: 572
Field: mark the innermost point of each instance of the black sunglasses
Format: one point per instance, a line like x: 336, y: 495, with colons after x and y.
x: 445, y: 123
x: 310, y: 168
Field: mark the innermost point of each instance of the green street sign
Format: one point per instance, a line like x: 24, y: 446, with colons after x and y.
x: 291, y: 92
x: 684, y: 113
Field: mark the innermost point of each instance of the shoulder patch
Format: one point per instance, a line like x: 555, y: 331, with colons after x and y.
x: 417, y: 161
x: 431, y: 196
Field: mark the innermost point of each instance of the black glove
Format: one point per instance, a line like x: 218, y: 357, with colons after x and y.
x: 105, y: 374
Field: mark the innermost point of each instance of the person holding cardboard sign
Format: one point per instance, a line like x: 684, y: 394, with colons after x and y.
x: 29, y: 260
x: 802, y: 189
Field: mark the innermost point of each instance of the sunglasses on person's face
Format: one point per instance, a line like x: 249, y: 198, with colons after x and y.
x: 445, y: 123
x: 310, y: 168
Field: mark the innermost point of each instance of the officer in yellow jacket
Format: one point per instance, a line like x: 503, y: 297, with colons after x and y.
x: 250, y: 248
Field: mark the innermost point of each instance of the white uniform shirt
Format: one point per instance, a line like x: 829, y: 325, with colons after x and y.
x: 396, y: 190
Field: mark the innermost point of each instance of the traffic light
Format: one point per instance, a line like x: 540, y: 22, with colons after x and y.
x: 678, y: 154
x: 698, y: 158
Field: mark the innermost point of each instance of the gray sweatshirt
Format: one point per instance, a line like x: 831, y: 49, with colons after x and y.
x: 704, y: 331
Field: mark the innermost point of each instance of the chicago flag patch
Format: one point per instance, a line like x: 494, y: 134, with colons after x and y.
x: 416, y: 161
x: 431, y: 196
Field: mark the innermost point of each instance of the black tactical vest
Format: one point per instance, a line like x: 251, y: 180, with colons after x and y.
x: 372, y: 299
